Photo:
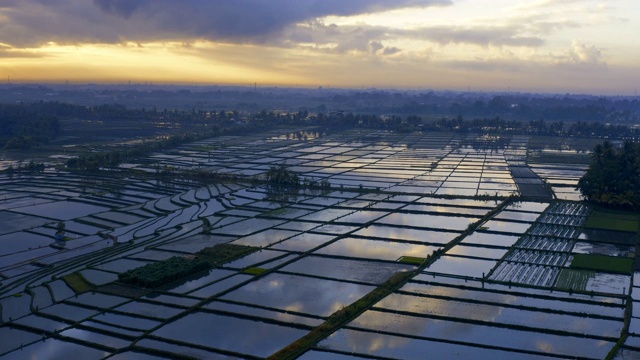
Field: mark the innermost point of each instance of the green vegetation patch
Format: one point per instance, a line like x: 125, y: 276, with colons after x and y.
x: 223, y: 253
x: 606, y: 219
x: 277, y: 212
x: 77, y: 282
x: 162, y: 272
x: 177, y: 267
x: 559, y: 158
x: 255, y: 271
x: 413, y: 260
x: 574, y: 279
x: 602, y: 263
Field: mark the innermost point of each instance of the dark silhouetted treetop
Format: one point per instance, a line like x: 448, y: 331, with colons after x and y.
x: 613, y: 177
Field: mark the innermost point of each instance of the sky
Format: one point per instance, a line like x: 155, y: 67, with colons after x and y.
x: 557, y: 46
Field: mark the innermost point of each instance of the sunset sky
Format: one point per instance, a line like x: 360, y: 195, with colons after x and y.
x: 583, y: 46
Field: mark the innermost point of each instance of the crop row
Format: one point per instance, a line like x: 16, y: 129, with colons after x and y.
x: 524, y: 273
x: 545, y: 243
x: 574, y: 209
x: 554, y: 230
x: 555, y: 219
x: 538, y: 257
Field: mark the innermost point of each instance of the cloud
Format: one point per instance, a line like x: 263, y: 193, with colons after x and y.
x: 34, y: 22
x: 585, y: 54
x: 124, y: 8
x: 580, y: 56
x: 17, y: 54
x: 489, y: 65
x: 364, y: 38
x: 391, y: 50
x: 477, y: 35
x: 376, y: 46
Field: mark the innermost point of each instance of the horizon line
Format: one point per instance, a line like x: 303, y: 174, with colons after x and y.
x: 256, y: 86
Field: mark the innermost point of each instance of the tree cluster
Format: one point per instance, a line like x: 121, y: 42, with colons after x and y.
x: 159, y: 273
x: 31, y: 167
x: 22, y: 127
x: 613, y: 177
x: 93, y: 161
x: 281, y: 175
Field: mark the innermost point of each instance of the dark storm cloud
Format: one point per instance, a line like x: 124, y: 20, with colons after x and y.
x: 32, y: 22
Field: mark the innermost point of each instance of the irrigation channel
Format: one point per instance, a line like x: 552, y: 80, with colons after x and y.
x: 442, y: 244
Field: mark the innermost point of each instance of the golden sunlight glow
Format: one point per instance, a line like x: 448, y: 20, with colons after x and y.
x: 156, y: 62
x: 523, y: 46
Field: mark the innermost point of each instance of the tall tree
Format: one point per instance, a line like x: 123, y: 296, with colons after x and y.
x: 613, y: 177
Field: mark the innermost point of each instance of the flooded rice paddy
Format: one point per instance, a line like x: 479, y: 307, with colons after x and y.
x: 490, y: 277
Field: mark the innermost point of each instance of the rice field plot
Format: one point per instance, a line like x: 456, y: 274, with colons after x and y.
x: 14, y: 222
x: 97, y: 300
x: 500, y: 315
x: 54, y: 348
x: 453, y: 223
x: 516, y: 216
x: 461, y: 266
x: 365, y: 248
x: 61, y: 210
x: 483, y: 252
x: 233, y: 335
x: 483, y: 238
x: 298, y: 294
x: 346, y: 269
x: 483, y: 335
x: 593, y: 281
x: 407, y: 234
x: 607, y: 249
x: 527, y: 206
x: 604, y: 219
x: 515, y: 297
x: 263, y: 314
x: 196, y: 281
x: 303, y: 242
x: 352, y: 344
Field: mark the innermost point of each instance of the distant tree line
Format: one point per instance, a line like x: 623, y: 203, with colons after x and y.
x: 613, y: 177
x: 26, y: 125
x: 538, y: 127
x: 556, y: 108
x: 31, y: 167
x: 508, y: 105
x: 494, y: 125
x: 93, y: 161
x: 23, y: 127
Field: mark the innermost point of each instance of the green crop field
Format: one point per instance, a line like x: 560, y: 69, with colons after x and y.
x: 606, y: 219
x: 574, y: 279
x: 602, y: 263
